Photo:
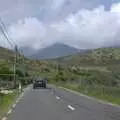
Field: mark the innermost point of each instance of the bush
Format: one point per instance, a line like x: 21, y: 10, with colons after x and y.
x: 100, y: 78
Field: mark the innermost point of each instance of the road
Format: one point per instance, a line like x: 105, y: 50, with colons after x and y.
x: 58, y: 104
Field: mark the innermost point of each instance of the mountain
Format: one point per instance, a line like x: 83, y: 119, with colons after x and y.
x: 28, y: 51
x: 55, y: 51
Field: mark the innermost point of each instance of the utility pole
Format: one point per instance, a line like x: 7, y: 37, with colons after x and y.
x: 15, y: 64
x: 22, y: 62
x: 57, y: 68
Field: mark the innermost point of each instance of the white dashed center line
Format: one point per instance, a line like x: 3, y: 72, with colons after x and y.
x: 71, y: 108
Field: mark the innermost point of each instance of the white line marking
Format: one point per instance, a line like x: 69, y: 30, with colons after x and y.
x: 70, y: 107
x: 14, y: 105
x: 17, y: 101
x: 58, y: 98
x: 91, y: 98
x: 9, y: 112
x: 5, y: 118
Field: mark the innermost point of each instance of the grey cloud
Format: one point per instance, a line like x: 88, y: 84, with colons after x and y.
x: 13, y: 10
x: 80, y: 23
x: 84, y: 29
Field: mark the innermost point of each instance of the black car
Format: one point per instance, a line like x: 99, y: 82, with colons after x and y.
x: 39, y: 83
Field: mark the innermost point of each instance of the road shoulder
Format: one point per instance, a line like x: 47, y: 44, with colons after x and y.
x: 89, y: 97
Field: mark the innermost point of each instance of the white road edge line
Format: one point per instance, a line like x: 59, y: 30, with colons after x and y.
x: 9, y: 112
x: 91, y: 98
x: 14, y: 105
x: 5, y: 118
x: 70, y: 107
x: 58, y: 98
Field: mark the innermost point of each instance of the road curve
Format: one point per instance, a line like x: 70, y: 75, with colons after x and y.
x: 58, y: 104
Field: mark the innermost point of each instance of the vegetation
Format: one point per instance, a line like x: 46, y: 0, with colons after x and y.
x: 95, y: 73
x: 97, y: 57
x: 110, y: 94
x: 7, y: 77
x: 6, y: 101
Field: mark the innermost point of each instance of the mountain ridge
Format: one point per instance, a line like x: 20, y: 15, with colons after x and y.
x: 54, y: 51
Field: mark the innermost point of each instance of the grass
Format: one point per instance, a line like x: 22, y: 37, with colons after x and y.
x: 103, y: 93
x: 101, y: 82
x: 6, y: 101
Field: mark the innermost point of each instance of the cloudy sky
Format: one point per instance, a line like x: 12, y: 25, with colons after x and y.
x: 80, y: 23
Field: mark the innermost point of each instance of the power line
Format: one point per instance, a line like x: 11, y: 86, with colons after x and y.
x: 13, y: 44
x: 6, y: 37
x: 5, y: 30
x: 2, y: 38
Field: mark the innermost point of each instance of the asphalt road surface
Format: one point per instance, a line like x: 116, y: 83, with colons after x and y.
x: 58, y: 104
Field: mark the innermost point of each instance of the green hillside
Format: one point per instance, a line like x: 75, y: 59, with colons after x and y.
x: 103, y: 60
x: 98, y: 57
x: 95, y: 73
x: 6, y: 54
x: 25, y: 68
x: 7, y: 59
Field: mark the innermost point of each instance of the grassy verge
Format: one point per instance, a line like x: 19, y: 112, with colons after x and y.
x: 109, y: 94
x: 6, y: 101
